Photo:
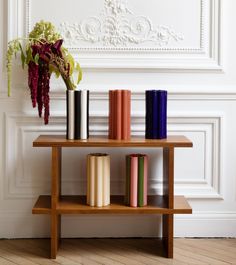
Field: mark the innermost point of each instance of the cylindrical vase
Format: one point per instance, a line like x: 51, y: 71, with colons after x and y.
x: 77, y: 114
x: 98, y: 180
x: 119, y: 114
x: 82, y: 121
x: 136, y: 180
x: 156, y: 114
x: 70, y: 114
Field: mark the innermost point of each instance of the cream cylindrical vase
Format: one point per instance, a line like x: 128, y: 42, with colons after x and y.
x: 70, y: 114
x: 98, y: 180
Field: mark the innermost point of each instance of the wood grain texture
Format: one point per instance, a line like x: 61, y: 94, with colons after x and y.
x: 55, y: 234
x: 56, y: 205
x: 77, y: 205
x: 56, y: 176
x: 118, y: 251
x: 42, y: 205
x: 168, y: 234
x: 61, y: 141
x: 55, y: 197
x: 168, y: 194
x: 168, y: 176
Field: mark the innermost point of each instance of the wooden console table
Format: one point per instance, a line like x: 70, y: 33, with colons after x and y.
x: 167, y: 204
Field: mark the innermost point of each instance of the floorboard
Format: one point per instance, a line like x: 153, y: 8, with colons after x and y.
x: 118, y: 252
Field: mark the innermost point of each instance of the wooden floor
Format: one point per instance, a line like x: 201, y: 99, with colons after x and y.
x: 118, y: 252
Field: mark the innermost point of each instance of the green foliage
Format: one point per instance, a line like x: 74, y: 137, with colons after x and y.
x: 13, y: 48
x: 43, y: 32
x: 23, y: 58
x: 74, y: 66
x: 80, y: 73
x: 29, y: 56
x: 71, y: 61
x: 36, y: 58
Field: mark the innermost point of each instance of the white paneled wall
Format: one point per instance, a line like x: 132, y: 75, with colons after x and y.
x: 184, y: 46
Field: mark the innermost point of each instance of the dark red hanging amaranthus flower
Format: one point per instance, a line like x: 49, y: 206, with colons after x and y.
x: 33, y: 76
x: 39, y: 74
x: 39, y: 78
x: 43, y: 54
x: 43, y: 90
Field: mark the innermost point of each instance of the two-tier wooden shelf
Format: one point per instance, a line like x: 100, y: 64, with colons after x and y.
x: 167, y: 204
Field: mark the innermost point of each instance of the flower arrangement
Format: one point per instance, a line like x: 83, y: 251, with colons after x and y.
x: 44, y: 54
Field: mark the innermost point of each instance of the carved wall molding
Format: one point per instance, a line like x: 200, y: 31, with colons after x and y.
x: 119, y: 47
x: 118, y: 27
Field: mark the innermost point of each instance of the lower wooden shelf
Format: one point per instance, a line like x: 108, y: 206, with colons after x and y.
x: 77, y: 205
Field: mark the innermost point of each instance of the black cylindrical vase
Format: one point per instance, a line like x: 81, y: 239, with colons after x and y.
x: 77, y: 119
x: 77, y: 113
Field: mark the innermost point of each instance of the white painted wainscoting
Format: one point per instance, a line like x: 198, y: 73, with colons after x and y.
x: 184, y: 46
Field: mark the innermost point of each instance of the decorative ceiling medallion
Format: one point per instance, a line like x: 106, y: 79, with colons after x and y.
x: 117, y: 27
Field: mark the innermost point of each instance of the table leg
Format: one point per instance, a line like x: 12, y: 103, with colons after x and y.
x: 168, y: 176
x: 55, y: 197
x: 168, y: 193
x: 168, y: 234
x: 55, y: 234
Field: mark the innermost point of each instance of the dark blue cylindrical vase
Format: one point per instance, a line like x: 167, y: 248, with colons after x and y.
x: 162, y: 111
x: 156, y: 114
x: 148, y: 120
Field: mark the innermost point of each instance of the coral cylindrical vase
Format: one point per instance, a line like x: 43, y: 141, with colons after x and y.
x: 98, y: 180
x: 119, y: 114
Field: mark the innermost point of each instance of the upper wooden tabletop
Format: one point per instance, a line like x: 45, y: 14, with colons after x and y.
x: 103, y: 141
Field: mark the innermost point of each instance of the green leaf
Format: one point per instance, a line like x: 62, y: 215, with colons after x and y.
x: 80, y: 74
x: 71, y: 61
x: 57, y: 73
x: 36, y: 58
x: 23, y: 58
x: 29, y: 56
x: 54, y: 70
x: 64, y: 49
